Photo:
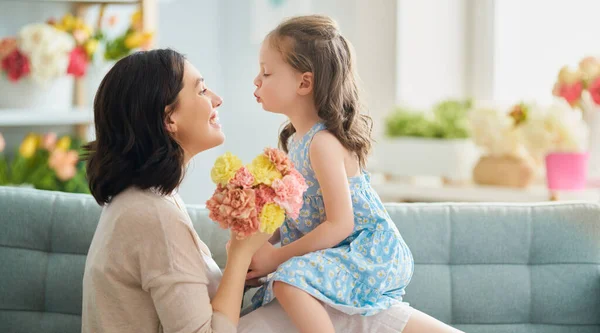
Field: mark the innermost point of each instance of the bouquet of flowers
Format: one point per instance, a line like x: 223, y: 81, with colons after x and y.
x: 255, y: 197
x: 45, y: 162
x: 45, y: 51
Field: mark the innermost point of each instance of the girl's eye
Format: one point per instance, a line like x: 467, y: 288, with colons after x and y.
x: 203, y: 91
x: 265, y: 74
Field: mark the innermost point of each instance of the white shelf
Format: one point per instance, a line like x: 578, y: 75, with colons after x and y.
x: 397, y: 191
x: 28, y: 117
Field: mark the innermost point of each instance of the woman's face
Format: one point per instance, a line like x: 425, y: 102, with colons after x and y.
x: 195, y: 122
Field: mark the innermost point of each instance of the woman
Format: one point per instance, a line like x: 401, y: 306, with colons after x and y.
x: 147, y: 270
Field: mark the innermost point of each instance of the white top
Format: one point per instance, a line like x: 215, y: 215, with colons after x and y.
x: 148, y: 271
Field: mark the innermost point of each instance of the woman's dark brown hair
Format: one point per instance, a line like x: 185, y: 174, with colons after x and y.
x: 314, y: 44
x: 132, y: 145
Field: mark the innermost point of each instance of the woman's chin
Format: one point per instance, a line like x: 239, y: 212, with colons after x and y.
x: 215, y: 140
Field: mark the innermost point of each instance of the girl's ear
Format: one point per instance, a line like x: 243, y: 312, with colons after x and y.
x: 305, y: 85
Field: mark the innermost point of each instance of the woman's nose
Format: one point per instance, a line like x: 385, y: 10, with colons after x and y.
x: 216, y: 101
x: 256, y: 82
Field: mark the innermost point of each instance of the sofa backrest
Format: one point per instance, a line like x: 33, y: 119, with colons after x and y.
x: 479, y: 267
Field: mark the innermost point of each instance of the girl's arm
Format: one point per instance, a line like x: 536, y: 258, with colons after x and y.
x: 276, y: 238
x: 327, y: 160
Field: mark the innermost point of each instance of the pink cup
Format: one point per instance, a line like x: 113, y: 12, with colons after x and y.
x: 567, y: 171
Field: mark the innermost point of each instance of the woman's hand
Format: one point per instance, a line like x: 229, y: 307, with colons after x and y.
x: 265, y: 261
x: 245, y: 247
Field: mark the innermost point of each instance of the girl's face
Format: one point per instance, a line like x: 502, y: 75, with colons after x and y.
x: 194, y: 123
x: 277, y: 83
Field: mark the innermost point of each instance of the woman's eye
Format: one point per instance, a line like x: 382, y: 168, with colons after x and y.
x: 203, y: 91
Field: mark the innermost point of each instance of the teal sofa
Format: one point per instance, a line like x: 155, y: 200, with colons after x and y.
x: 484, y: 268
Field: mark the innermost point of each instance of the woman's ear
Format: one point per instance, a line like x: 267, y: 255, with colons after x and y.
x: 306, y: 83
x: 170, y: 124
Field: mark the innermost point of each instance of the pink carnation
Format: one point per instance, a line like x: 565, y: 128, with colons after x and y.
x: 245, y: 227
x: 289, y: 192
x: 233, y: 208
x: 213, y: 205
x: 243, y: 178
x: 264, y: 195
x: 238, y: 203
x: 300, y: 179
x: 280, y: 160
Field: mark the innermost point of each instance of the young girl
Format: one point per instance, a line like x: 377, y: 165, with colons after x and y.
x: 343, y: 250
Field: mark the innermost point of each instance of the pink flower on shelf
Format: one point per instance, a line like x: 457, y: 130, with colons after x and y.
x: 63, y: 163
x: 289, y: 192
x: 80, y: 36
x: 7, y: 46
x: 16, y: 65
x: 594, y: 90
x: 243, y: 178
x: 49, y: 141
x: 112, y: 21
x: 264, y: 195
x: 280, y: 160
x: 78, y: 62
x: 571, y: 93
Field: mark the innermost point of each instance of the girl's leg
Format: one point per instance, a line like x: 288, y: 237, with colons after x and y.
x: 305, y: 311
x: 421, y: 322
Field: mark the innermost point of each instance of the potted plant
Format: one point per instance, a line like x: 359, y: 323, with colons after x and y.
x: 38, y: 66
x: 559, y: 135
x: 580, y: 87
x: 505, y: 160
x: 434, y: 143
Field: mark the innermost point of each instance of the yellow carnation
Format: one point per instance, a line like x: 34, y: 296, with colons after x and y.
x: 264, y: 171
x: 64, y: 143
x: 271, y: 218
x: 225, y: 168
x: 29, y: 145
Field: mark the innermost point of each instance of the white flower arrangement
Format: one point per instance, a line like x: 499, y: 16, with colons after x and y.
x: 529, y: 130
x: 494, y: 130
x: 48, y: 50
x: 555, y: 128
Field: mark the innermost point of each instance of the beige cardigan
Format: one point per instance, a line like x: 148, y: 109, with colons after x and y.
x: 146, y: 272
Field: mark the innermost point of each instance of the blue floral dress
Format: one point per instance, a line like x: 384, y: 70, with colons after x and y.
x: 364, y: 274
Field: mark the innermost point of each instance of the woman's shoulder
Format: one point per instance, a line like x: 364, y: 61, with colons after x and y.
x: 144, y: 206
